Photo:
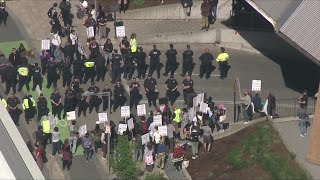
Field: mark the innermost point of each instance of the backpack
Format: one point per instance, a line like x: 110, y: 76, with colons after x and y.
x: 50, y: 12
x: 87, y: 143
x: 144, y: 128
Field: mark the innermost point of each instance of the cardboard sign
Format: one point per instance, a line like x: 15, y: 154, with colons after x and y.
x: 125, y: 111
x: 157, y: 120
x: 141, y: 110
x: 163, y: 131
x: 145, y: 139
x: 45, y: 44
x: 103, y: 117
x: 204, y: 107
x: 52, y: 120
x: 71, y: 115
x: 122, y: 128
x: 90, y: 32
x: 82, y: 130
x: 120, y: 31
x: 130, y: 124
x: 108, y: 130
x: 256, y: 85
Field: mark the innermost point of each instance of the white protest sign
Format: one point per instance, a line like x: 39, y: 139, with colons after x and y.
x: 71, y: 115
x: 103, y: 117
x: 125, y: 111
x: 141, y: 110
x: 145, y: 139
x: 204, y: 107
x: 200, y: 98
x: 108, y: 130
x: 90, y: 32
x: 194, y: 100
x: 157, y: 120
x: 122, y: 128
x: 256, y: 85
x: 120, y: 31
x: 82, y: 130
x: 45, y: 44
x: 238, y: 85
x: 52, y: 120
x: 130, y: 124
x: 163, y: 130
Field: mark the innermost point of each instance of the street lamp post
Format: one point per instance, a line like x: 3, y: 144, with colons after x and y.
x: 234, y: 102
x: 114, y: 9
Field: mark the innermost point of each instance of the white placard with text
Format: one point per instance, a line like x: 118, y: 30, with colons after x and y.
x: 163, y: 131
x: 71, y: 115
x: 141, y: 110
x: 82, y: 130
x: 256, y: 85
x: 157, y: 120
x: 125, y: 111
x: 103, y: 117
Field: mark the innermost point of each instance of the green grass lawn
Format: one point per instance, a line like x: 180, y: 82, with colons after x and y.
x: 259, y: 148
x: 6, y: 47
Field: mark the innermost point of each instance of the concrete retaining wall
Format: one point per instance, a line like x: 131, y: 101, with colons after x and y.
x: 242, y: 40
x: 175, y: 11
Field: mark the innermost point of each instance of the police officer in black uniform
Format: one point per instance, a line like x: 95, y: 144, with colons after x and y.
x: 100, y: 67
x: 128, y: 68
x: 69, y: 101
x: 187, y: 87
x: 68, y: 51
x: 206, y: 66
x: 75, y: 85
x: 171, y: 64
x: 155, y: 55
x: 56, y: 103
x: 66, y: 74
x: 13, y: 109
x: 78, y: 69
x: 135, y: 96
x: 42, y: 105
x: 116, y: 62
x: 83, y: 106
x: 36, y: 77
x: 11, y: 78
x: 151, y: 92
x: 119, y: 98
x: 94, y: 100
x: 89, y: 70
x: 105, y: 98
x: 172, y: 90
x: 187, y: 62
x: 52, y: 75
x: 141, y: 63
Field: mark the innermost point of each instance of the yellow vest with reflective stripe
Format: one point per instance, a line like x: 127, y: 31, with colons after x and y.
x: 222, y: 57
x: 89, y: 64
x: 23, y: 71
x: 25, y: 104
x: 4, y: 102
x: 177, y: 118
x: 46, y: 126
x: 133, y: 44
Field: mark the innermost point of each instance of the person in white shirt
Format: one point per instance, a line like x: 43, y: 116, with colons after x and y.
x: 156, y: 139
x: 74, y: 40
x: 55, y: 41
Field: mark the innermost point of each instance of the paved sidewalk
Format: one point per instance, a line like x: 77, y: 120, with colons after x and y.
x: 290, y: 134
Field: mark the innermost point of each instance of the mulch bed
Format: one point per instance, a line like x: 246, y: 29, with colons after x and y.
x: 147, y: 3
x: 214, y: 165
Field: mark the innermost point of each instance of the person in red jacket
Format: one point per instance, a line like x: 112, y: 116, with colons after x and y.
x: 177, y: 157
x: 66, y: 155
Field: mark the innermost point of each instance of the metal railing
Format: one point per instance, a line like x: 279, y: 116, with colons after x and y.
x: 249, y: 20
x: 290, y: 107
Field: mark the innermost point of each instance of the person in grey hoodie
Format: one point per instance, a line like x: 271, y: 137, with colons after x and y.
x: 55, y: 141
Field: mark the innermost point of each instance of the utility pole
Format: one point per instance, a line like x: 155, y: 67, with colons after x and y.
x: 115, y: 9
x: 234, y: 102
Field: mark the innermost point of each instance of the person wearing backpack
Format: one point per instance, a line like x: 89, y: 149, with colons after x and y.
x: 97, y: 132
x: 194, y: 139
x: 87, y: 147
x: 52, y: 10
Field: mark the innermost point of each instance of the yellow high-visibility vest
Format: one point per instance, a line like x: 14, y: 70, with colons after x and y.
x: 46, y: 126
x: 222, y: 57
x: 177, y: 118
x: 25, y: 103
x: 23, y: 71
x: 133, y: 44
x: 4, y: 102
x: 89, y: 64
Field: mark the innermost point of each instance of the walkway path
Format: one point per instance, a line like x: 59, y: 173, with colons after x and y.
x: 290, y: 134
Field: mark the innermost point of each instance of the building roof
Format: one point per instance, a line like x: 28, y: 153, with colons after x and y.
x: 11, y: 159
x: 297, y: 22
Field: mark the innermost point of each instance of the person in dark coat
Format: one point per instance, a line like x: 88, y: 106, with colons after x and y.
x: 66, y: 155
